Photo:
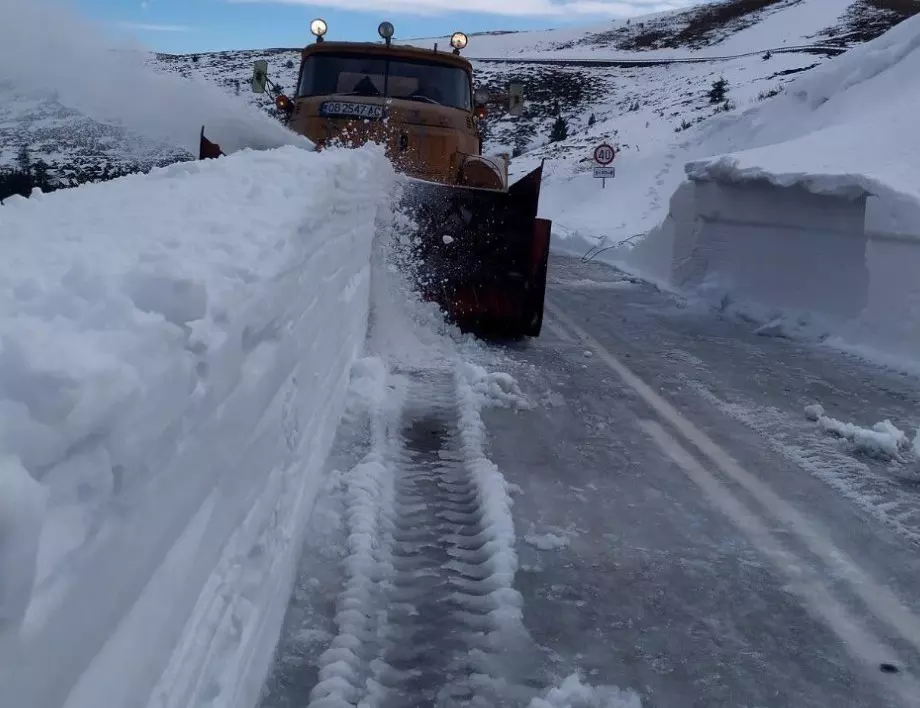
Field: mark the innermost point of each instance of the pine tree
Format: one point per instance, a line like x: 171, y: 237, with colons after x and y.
x: 41, y: 176
x: 592, y: 120
x: 560, y: 130
x: 14, y: 182
x: 718, y: 91
x: 24, y: 159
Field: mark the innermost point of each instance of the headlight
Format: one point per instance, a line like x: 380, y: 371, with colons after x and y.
x: 385, y: 30
x: 458, y: 40
x: 318, y: 27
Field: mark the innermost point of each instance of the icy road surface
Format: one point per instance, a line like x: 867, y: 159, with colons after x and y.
x: 683, y: 534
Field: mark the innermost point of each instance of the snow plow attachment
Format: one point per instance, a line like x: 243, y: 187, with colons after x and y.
x: 482, y: 254
x: 206, y: 149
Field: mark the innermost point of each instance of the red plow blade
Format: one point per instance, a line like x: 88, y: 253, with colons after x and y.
x: 483, y: 255
x: 208, y: 150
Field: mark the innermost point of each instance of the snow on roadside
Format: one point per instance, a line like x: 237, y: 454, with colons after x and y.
x: 883, y: 440
x: 174, y: 354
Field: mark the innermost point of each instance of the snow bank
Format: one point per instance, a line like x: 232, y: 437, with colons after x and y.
x: 174, y: 352
x: 789, y: 249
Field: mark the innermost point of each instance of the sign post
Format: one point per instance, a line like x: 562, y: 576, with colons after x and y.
x: 515, y: 99
x: 603, y: 157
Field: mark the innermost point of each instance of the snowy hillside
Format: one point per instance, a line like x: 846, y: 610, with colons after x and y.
x: 724, y: 28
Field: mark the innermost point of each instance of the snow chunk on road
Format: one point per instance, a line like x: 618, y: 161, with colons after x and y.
x: 883, y: 440
x: 547, y: 541
x: 174, y: 357
x: 573, y: 693
x: 814, y: 411
x: 496, y: 389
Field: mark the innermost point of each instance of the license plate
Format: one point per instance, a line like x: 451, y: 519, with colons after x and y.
x: 351, y: 110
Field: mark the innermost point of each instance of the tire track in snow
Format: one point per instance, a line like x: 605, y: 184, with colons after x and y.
x: 428, y: 601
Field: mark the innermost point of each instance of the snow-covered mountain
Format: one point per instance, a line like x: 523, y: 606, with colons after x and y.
x: 632, y: 104
x: 710, y: 30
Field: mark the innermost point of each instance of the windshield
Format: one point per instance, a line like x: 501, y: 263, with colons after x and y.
x: 354, y: 75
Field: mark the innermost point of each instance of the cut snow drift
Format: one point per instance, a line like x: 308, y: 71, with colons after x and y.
x: 174, y: 354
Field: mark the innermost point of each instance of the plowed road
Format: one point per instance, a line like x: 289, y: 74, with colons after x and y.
x: 682, y: 530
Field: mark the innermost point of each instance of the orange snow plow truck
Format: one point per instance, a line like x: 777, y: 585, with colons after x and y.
x: 481, y: 251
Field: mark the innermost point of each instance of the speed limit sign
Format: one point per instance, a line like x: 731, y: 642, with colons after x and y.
x: 604, y: 154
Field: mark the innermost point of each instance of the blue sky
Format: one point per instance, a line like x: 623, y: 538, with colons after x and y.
x: 206, y: 25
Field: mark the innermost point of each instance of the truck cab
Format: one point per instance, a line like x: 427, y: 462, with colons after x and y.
x: 479, y: 249
x: 419, y: 103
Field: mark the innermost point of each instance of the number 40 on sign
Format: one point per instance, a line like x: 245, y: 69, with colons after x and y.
x: 604, y: 155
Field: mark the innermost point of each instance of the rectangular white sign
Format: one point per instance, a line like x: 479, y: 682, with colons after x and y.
x: 605, y: 172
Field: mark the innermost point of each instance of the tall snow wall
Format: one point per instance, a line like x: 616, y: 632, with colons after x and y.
x: 174, y: 353
x: 787, y: 251
x: 784, y: 247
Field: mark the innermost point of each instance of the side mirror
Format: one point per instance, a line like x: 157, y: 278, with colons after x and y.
x: 259, y: 76
x: 481, y: 96
x: 516, y: 99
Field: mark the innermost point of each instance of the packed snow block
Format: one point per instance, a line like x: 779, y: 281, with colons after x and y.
x: 783, y: 247
x: 665, y: 253
x: 174, y: 354
x: 890, y: 321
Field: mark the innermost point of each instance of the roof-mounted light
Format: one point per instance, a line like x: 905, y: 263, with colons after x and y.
x: 386, y: 30
x: 458, y: 41
x: 318, y: 27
